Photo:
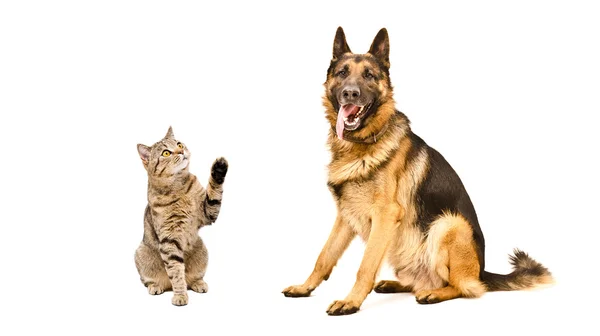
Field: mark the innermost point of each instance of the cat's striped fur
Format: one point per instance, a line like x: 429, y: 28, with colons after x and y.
x: 172, y: 256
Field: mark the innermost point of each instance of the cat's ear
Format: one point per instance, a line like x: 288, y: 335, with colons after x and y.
x: 340, y: 46
x: 170, y: 134
x: 144, y: 152
x: 380, y: 47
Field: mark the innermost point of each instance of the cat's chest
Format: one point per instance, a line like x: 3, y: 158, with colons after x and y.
x: 182, y: 216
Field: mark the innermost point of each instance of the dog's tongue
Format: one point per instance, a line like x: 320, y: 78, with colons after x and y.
x: 344, y: 112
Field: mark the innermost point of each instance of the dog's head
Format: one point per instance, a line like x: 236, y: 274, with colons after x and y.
x: 358, y: 92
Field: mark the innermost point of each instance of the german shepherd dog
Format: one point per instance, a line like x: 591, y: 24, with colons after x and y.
x: 399, y: 195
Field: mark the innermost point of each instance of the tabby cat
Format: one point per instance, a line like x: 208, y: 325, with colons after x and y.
x: 172, y: 256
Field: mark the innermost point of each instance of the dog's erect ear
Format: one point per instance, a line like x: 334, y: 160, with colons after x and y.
x: 380, y: 47
x: 340, y: 46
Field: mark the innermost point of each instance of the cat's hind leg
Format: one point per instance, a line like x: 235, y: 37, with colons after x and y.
x: 152, y: 270
x: 195, y: 267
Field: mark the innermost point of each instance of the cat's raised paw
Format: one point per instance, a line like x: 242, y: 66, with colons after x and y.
x: 180, y: 299
x: 219, y: 170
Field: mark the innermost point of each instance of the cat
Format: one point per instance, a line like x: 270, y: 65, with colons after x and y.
x: 172, y: 255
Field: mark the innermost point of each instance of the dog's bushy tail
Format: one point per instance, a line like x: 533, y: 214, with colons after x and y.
x: 527, y: 273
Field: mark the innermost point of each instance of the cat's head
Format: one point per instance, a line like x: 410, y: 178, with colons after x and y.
x: 165, y: 158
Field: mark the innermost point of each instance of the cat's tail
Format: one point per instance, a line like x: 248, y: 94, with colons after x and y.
x: 214, y: 190
x: 527, y: 273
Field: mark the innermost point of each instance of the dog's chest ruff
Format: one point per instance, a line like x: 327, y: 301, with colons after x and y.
x: 356, y: 163
x: 356, y: 206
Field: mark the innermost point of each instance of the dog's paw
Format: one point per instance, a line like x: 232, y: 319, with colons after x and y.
x: 427, y: 297
x: 342, y: 307
x: 199, y: 286
x: 219, y: 170
x: 297, y: 291
x: 155, y: 290
x: 180, y: 299
x: 389, y: 286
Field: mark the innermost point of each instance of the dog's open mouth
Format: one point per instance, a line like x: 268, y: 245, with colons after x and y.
x: 349, y: 118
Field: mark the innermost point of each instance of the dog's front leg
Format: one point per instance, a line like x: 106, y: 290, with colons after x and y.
x: 340, y: 237
x: 383, y: 224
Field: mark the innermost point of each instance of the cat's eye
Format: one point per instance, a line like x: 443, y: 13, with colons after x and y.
x: 166, y: 153
x: 180, y: 145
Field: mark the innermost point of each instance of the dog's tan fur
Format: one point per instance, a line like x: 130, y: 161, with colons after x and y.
x: 375, y: 185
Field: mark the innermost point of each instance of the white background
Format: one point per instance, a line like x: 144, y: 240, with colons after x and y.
x: 508, y: 93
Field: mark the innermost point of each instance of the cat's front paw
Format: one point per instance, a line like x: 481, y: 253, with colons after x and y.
x: 199, y: 286
x: 180, y: 299
x: 155, y: 290
x: 219, y: 170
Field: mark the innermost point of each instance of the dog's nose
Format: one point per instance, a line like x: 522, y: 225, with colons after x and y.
x: 351, y: 93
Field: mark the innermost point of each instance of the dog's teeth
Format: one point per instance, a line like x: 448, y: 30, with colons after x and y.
x: 352, y: 123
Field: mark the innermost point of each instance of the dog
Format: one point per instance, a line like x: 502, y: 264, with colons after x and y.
x: 399, y: 195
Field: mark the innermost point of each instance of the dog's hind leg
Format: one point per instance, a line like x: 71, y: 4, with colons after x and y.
x: 340, y: 237
x: 462, y: 263
x: 437, y: 295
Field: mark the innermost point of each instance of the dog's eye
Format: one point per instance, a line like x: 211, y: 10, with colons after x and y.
x: 369, y: 75
x: 342, y: 73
